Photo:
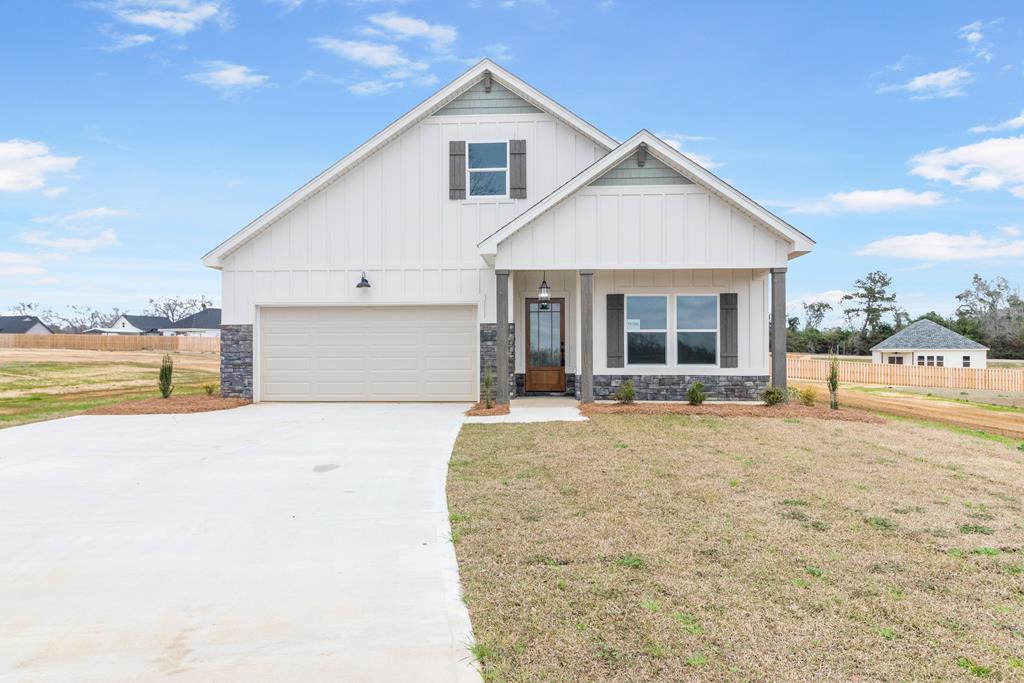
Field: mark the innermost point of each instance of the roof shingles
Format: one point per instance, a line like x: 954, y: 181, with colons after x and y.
x: 926, y: 334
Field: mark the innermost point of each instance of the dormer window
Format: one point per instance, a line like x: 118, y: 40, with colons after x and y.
x: 487, y: 169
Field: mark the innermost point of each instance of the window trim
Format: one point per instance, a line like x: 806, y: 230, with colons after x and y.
x: 672, y: 322
x: 625, y: 330
x: 507, y: 170
x: 717, y: 330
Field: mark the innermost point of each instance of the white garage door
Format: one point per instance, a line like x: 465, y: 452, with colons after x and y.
x: 378, y: 353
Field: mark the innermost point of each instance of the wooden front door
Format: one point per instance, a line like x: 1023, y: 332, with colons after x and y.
x: 545, y: 345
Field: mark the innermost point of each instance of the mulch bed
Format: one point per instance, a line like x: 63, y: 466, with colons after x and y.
x: 198, y: 403
x: 481, y: 409
x: 787, y: 410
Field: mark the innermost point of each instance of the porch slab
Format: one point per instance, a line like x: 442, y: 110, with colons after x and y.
x: 536, y: 409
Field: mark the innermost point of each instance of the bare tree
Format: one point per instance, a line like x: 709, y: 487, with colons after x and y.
x: 79, y: 318
x: 175, y: 308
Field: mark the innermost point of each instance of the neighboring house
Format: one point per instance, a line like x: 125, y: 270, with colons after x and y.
x: 135, y: 324
x: 23, y: 324
x: 928, y: 343
x: 491, y: 227
x: 205, y: 323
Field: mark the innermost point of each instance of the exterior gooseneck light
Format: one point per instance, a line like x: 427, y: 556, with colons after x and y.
x: 363, y: 282
x: 545, y: 293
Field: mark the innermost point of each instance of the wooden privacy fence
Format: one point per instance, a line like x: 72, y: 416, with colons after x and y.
x: 109, y: 342
x: 992, y: 379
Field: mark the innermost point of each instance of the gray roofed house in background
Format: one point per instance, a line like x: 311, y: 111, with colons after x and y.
x: 206, y: 319
x: 147, y: 323
x: 23, y: 324
x: 924, y: 335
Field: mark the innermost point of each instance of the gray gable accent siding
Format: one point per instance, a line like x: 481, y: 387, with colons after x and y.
x: 925, y: 334
x: 653, y: 172
x: 476, y: 100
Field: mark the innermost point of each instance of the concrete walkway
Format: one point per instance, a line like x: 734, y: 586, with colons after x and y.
x: 303, y: 542
x: 536, y: 409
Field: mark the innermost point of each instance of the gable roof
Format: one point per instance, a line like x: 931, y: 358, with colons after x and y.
x: 206, y: 319
x: 407, y: 121
x: 672, y: 158
x: 926, y: 334
x: 19, y: 324
x: 147, y: 323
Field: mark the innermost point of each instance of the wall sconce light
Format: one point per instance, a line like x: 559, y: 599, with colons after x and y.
x: 363, y: 282
x: 545, y: 293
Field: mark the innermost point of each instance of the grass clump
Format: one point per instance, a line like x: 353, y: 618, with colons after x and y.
x: 976, y: 529
x: 630, y: 560
x: 883, y: 523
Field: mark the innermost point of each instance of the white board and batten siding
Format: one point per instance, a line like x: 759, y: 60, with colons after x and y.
x: 643, y: 226
x: 368, y: 353
x: 391, y: 217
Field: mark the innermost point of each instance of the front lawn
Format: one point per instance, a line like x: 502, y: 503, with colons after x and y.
x: 679, y: 548
x: 41, y: 390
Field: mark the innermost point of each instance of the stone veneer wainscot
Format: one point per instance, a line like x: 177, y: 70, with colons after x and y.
x: 236, y: 361
x: 489, y: 354
x: 674, y: 387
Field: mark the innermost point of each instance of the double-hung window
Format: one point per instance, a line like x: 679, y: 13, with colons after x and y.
x: 646, y: 330
x: 697, y: 330
x: 487, y: 169
x: 967, y: 361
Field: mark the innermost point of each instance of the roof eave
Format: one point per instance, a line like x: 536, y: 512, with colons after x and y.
x: 214, y: 257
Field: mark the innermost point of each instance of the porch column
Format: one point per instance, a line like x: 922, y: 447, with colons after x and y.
x: 501, y: 301
x: 778, y: 328
x: 587, y: 336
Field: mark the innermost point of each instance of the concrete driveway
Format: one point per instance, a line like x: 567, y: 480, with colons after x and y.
x: 273, y: 542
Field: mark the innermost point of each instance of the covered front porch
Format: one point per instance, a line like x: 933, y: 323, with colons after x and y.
x: 584, y: 333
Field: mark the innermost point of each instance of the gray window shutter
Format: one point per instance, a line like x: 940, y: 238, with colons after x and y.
x: 457, y: 169
x: 616, y: 331
x: 517, y: 170
x: 728, y: 331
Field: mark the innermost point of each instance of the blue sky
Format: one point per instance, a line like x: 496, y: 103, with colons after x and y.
x: 137, y: 134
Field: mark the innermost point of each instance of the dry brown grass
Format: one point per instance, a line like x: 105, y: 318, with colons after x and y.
x: 671, y: 548
x: 782, y: 411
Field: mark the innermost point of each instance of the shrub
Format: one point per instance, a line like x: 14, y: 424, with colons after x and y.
x: 488, y: 387
x: 696, y: 393
x: 773, y: 396
x: 626, y: 392
x: 833, y: 383
x: 806, y: 396
x: 209, y: 388
x: 166, y: 372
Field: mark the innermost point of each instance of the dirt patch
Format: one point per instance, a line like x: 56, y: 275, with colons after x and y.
x: 174, y: 404
x: 790, y: 410
x: 481, y: 409
x: 1009, y: 423
x: 209, y: 362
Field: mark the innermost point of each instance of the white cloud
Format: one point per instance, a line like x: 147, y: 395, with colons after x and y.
x: 941, y: 246
x: 374, y: 55
x: 946, y: 83
x: 987, y: 165
x: 106, y: 238
x: 126, y: 42
x: 26, y: 165
x: 1009, y: 124
x: 863, y: 201
x: 179, y: 17
x: 288, y: 5
x: 229, y: 78
x: 28, y: 268
x: 83, y: 215
x: 1010, y: 230
x: 974, y: 36
x: 439, y: 36
x: 677, y: 142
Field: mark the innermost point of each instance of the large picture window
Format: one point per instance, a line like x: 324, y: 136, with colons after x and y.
x: 696, y: 330
x: 488, y: 169
x: 646, y: 330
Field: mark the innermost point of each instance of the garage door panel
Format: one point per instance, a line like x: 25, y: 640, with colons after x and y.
x: 380, y: 353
